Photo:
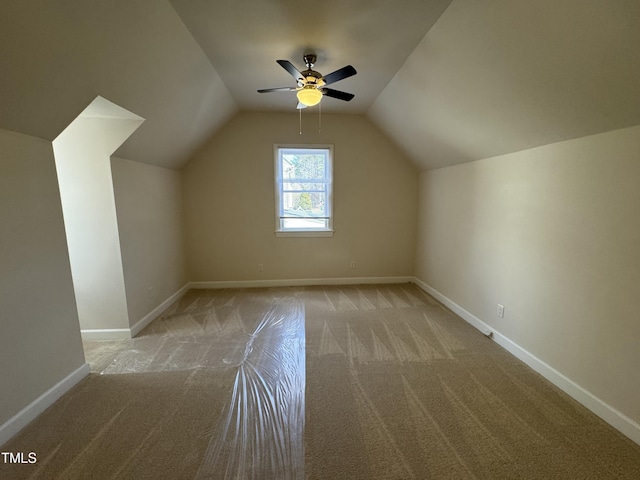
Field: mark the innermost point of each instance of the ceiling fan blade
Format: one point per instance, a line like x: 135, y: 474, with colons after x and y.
x: 293, y: 71
x: 279, y: 89
x: 344, y: 72
x: 330, y: 92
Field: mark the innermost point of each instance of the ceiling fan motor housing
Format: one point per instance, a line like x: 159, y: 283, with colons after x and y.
x: 312, y: 77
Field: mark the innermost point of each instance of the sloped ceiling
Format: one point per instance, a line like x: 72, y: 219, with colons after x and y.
x: 57, y: 56
x: 243, y: 39
x: 500, y: 76
x: 449, y: 81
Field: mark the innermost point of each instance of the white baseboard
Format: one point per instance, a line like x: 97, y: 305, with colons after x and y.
x: 153, y: 314
x: 613, y: 417
x: 297, y: 282
x: 124, y: 333
x: 20, y: 420
x: 105, y: 334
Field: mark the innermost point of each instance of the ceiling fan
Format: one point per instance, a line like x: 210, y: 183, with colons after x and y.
x: 311, y: 84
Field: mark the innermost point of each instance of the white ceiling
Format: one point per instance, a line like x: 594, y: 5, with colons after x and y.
x: 57, y: 56
x: 500, y: 76
x: 449, y: 82
x: 243, y: 39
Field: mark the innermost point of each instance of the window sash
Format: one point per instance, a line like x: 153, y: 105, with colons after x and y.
x: 318, y: 188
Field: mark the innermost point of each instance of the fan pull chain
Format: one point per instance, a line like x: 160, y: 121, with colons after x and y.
x: 320, y: 117
x: 300, y: 117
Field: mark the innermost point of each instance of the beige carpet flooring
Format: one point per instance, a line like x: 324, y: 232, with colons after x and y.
x: 349, y: 382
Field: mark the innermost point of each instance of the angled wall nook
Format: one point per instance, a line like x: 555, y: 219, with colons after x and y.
x: 82, y: 155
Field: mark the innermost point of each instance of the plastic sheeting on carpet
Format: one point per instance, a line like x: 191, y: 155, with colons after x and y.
x: 262, y: 435
x: 261, y: 430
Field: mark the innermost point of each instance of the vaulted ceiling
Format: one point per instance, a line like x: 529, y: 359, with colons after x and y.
x: 448, y: 81
x: 243, y: 40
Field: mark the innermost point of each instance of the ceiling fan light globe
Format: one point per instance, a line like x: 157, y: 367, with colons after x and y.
x: 309, y: 96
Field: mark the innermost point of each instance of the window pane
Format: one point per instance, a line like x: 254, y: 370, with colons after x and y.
x: 304, y: 166
x: 304, y: 204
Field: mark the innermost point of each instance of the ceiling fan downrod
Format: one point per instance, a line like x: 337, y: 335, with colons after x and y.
x: 309, y: 60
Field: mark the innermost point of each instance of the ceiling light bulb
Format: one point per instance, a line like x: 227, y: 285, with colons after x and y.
x: 309, y: 96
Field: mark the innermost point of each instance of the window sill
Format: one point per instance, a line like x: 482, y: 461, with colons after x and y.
x: 304, y: 233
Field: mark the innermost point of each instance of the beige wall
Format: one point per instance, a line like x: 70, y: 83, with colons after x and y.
x: 150, y: 222
x: 229, y: 203
x: 553, y: 234
x: 40, y: 337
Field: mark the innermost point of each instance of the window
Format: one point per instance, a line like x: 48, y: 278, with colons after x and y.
x: 303, y: 190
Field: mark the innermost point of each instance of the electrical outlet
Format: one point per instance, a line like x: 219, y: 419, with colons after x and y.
x: 353, y: 264
x: 260, y: 267
x: 500, y: 311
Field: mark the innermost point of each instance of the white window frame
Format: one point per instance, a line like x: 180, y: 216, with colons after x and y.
x: 281, y: 230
